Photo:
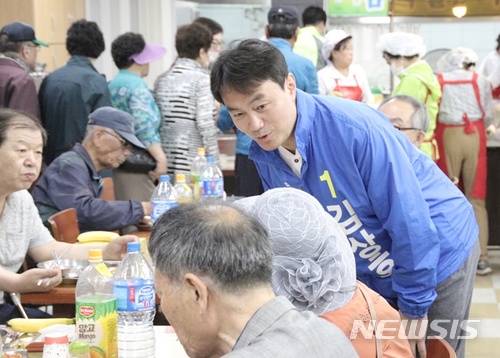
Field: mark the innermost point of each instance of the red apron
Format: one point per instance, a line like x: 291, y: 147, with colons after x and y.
x: 479, y: 188
x: 496, y: 92
x: 349, y: 92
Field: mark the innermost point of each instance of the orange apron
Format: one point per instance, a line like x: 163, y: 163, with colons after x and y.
x: 349, y: 92
x: 479, y: 188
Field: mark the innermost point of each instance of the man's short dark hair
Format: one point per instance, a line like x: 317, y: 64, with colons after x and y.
x: 216, y: 241
x: 282, y: 31
x: 190, y: 39
x: 312, y: 15
x: 10, y: 46
x: 85, y: 39
x: 246, y: 66
x: 212, y: 25
x: 125, y: 46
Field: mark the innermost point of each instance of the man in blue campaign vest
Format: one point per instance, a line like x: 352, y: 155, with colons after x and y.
x: 412, y: 231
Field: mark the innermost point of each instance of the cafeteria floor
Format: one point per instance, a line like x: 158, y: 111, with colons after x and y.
x: 486, y: 308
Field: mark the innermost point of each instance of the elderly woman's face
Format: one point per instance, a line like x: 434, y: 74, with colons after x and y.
x: 20, y: 159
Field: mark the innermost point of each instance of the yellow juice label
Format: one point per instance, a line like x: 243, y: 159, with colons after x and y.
x: 96, y: 323
x: 103, y: 269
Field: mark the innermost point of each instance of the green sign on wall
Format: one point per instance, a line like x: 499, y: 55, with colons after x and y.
x: 358, y: 7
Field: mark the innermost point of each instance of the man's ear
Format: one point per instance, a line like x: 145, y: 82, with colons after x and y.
x: 420, y: 138
x: 290, y: 85
x: 25, y: 51
x: 197, y: 291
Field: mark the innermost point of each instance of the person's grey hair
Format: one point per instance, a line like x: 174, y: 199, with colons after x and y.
x: 313, y: 264
x: 16, y: 119
x: 218, y: 242
x: 420, y: 116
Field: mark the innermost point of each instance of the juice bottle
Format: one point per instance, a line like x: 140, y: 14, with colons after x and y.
x: 96, y: 308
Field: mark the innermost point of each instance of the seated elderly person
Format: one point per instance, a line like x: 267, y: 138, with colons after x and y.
x: 73, y: 181
x: 213, y: 275
x: 21, y: 231
x: 314, y: 268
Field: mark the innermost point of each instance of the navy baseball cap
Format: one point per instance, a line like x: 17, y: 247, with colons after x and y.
x: 120, y: 121
x: 283, y: 14
x: 19, y: 32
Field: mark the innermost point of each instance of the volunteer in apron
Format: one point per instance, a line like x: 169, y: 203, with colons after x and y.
x: 340, y: 77
x: 402, y: 51
x: 465, y: 112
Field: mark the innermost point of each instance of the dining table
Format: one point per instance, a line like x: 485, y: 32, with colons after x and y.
x: 62, y: 297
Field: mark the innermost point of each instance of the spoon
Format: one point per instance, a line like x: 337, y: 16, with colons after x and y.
x: 16, y: 298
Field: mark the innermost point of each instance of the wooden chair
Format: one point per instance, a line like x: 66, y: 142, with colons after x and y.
x: 64, y: 225
x: 108, y: 189
x: 437, y: 347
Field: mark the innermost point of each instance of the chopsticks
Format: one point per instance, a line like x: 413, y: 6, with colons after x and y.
x: 57, y: 260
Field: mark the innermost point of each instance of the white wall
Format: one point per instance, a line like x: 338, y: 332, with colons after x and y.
x: 154, y: 19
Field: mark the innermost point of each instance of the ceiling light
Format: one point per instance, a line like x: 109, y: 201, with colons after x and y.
x: 459, y: 10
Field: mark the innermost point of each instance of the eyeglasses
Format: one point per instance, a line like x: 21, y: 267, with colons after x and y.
x: 125, y: 145
x: 217, y: 43
x: 37, y: 47
x: 407, y: 129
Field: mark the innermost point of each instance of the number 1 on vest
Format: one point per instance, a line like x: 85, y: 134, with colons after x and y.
x: 326, y: 177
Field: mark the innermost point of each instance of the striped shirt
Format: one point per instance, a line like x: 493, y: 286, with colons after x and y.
x: 187, y: 114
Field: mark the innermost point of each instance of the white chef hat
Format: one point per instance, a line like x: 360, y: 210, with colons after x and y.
x: 401, y: 44
x: 332, y: 38
x: 313, y: 263
x: 455, y: 59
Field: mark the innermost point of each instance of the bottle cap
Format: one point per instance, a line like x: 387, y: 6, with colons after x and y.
x: 200, y: 151
x: 79, y: 347
x: 210, y: 159
x: 165, y: 177
x: 180, y: 178
x: 95, y: 255
x: 56, y: 338
x: 134, y: 247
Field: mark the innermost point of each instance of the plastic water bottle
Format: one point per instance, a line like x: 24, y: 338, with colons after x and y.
x: 196, y: 168
x: 211, y: 182
x: 164, y: 198
x: 134, y: 289
x: 96, y: 317
x: 184, y: 192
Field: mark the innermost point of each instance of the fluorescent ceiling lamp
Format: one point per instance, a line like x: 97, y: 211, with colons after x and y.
x: 459, y: 10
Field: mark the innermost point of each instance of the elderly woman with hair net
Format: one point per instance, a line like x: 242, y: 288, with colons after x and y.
x: 313, y: 266
x: 465, y: 112
x: 340, y: 77
x: 402, y: 51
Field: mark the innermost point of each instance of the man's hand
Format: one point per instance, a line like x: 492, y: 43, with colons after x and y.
x: 117, y: 248
x: 416, y: 331
x: 38, y: 280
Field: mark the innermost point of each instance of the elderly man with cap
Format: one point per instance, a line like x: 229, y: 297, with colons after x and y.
x: 340, y: 77
x: 466, y: 111
x: 21, y: 230
x: 282, y: 31
x: 18, y: 48
x: 130, y: 93
x: 402, y: 51
x: 73, y: 179
x: 314, y: 268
